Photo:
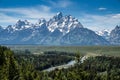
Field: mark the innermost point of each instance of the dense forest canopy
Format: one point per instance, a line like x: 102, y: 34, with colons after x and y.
x: 30, y: 66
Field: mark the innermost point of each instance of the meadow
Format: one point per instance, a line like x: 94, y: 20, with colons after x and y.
x: 100, y: 50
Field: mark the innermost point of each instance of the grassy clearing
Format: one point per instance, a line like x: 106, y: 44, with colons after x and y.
x: 100, y: 50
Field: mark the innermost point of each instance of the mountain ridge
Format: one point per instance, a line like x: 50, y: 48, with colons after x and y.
x: 115, y: 36
x: 59, y: 30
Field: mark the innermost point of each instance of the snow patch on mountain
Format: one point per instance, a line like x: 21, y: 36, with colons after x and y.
x: 115, y: 36
x: 59, y: 30
x: 64, y: 23
x: 104, y: 33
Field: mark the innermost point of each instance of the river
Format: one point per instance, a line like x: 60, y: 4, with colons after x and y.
x: 69, y: 64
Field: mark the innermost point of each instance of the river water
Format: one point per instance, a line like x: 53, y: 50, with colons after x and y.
x: 69, y: 64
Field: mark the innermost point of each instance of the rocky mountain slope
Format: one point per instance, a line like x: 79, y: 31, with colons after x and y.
x: 59, y: 30
x: 104, y: 33
x: 115, y: 36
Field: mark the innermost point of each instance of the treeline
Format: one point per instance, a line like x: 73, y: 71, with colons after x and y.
x: 28, y: 66
x: 19, y: 67
x: 11, y: 70
x: 46, y: 60
x: 94, y: 68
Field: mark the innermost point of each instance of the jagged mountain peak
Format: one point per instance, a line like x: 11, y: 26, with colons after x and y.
x: 26, y: 22
x: 83, y: 36
x: 20, y: 21
x: 41, y: 20
x: 1, y: 28
x: 59, y: 13
x: 9, y: 27
x: 56, y: 31
x: 59, y: 30
x: 117, y: 27
x: 58, y: 16
x: 63, y: 23
x: 115, y: 36
x: 103, y: 32
x: 21, y: 24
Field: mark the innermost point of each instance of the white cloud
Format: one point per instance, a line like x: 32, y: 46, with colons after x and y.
x: 45, y: 8
x: 60, y: 3
x: 100, y: 22
x: 31, y: 14
x: 102, y: 8
x: 117, y: 16
x: 6, y: 20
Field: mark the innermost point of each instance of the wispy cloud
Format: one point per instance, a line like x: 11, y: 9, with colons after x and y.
x: 6, y: 19
x: 102, y: 8
x: 100, y: 22
x: 30, y: 13
x: 60, y: 3
x: 45, y: 8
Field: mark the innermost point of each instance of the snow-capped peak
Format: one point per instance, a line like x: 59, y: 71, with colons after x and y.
x: 26, y: 22
x: 59, y: 13
x: 41, y: 20
x: 103, y: 32
x: 58, y: 16
x: 117, y: 27
x: 63, y: 23
x: 9, y: 28
x: 21, y: 25
x: 1, y: 28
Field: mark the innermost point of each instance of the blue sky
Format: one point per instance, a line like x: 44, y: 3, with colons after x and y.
x: 93, y: 14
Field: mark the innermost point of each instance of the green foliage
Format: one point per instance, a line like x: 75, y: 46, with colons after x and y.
x: 8, y: 66
x: 98, y: 68
x: 46, y: 60
x: 11, y: 70
x: 78, y: 57
x: 25, y: 67
x: 102, y: 50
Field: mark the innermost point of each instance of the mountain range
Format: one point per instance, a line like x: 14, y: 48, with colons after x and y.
x: 59, y: 30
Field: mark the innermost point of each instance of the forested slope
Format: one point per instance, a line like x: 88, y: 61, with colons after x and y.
x: 17, y: 67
